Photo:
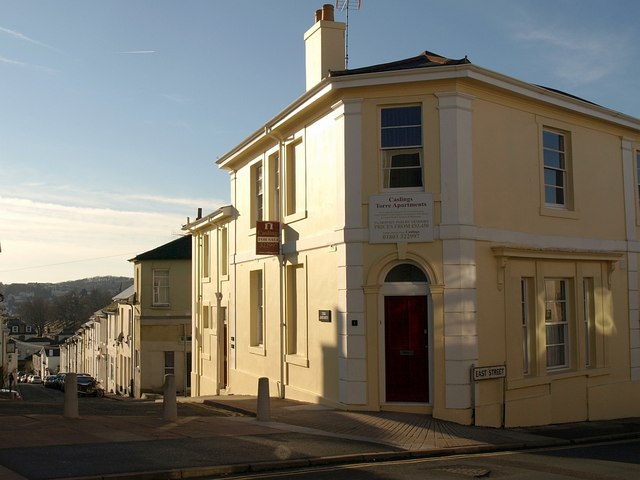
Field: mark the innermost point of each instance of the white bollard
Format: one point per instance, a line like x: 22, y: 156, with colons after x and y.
x: 264, y: 406
x: 170, y: 406
x: 71, y: 395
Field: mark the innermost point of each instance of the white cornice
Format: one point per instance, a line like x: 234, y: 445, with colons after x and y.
x: 331, y: 85
x: 222, y: 215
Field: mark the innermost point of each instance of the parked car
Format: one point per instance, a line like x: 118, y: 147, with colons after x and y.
x: 10, y: 394
x: 89, y: 387
x: 60, y: 381
x: 50, y: 381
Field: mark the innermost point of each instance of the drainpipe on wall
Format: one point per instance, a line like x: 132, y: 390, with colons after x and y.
x: 133, y: 350
x: 281, y: 260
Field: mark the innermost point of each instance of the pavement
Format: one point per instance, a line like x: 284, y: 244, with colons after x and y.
x: 221, y: 435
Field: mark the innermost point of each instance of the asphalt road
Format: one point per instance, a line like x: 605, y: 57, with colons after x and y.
x: 618, y: 460
x: 51, y: 402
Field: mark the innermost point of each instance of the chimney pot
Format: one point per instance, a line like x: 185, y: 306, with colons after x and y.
x: 324, y: 46
x: 327, y: 12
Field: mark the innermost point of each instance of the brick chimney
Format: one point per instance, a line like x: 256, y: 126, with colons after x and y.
x: 324, y: 46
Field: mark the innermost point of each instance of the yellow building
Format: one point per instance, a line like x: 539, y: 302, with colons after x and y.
x: 155, y: 320
x: 453, y: 241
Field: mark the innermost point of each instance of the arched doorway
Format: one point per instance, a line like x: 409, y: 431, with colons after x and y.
x: 405, y: 336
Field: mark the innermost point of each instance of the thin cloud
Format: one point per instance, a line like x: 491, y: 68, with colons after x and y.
x: 25, y: 38
x: 12, y: 62
x: 72, y: 195
x: 577, y: 58
x: 177, y: 201
x: 63, y: 239
x: 33, y: 66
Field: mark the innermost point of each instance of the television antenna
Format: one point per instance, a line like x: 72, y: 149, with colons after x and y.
x: 345, y: 5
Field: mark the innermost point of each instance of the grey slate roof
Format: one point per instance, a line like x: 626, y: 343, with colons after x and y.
x: 424, y: 60
x: 178, y: 249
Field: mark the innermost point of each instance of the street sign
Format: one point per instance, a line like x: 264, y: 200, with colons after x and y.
x: 487, y: 373
x: 267, y: 238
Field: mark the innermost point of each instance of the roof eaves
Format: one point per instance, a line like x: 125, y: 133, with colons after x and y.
x: 178, y: 249
x: 425, y: 60
x: 311, y: 96
x: 219, y: 216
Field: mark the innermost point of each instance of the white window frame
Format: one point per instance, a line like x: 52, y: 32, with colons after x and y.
x: 161, y: 287
x: 275, y: 166
x: 389, y: 153
x: 558, y: 170
x: 588, y: 288
x: 223, y: 256
x: 257, y: 193
x: 297, y: 317
x: 206, y: 256
x: 525, y: 309
x: 257, y: 312
x: 295, y: 180
x: 558, y: 316
x: 569, y: 209
x: 169, y: 367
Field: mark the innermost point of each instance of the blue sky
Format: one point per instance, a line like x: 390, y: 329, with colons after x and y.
x: 112, y: 113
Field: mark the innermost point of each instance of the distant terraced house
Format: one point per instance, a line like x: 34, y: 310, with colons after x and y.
x: 145, y: 333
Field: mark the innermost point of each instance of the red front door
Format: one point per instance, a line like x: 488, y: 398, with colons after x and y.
x: 406, y: 349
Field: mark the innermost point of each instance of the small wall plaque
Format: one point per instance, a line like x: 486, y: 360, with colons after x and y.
x: 324, y: 315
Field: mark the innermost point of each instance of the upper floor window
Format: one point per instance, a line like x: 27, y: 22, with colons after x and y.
x: 401, y: 145
x: 223, y: 256
x: 258, y: 193
x: 161, y: 287
x: 274, y: 186
x: 295, y: 178
x: 205, y: 255
x: 555, y: 168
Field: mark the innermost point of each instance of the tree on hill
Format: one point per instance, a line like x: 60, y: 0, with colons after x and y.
x: 67, y: 311
x: 61, y: 305
x: 74, y: 308
x: 36, y: 312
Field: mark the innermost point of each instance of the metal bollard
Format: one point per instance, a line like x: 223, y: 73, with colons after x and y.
x: 264, y: 405
x: 170, y: 405
x: 71, y: 395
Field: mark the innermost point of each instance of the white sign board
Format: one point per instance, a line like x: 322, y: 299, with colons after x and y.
x: 401, y: 217
x: 487, y: 373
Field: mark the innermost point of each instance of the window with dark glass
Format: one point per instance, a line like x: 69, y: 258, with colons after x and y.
x: 555, y: 168
x: 556, y: 320
x: 169, y: 363
x: 406, y: 273
x: 401, y: 144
